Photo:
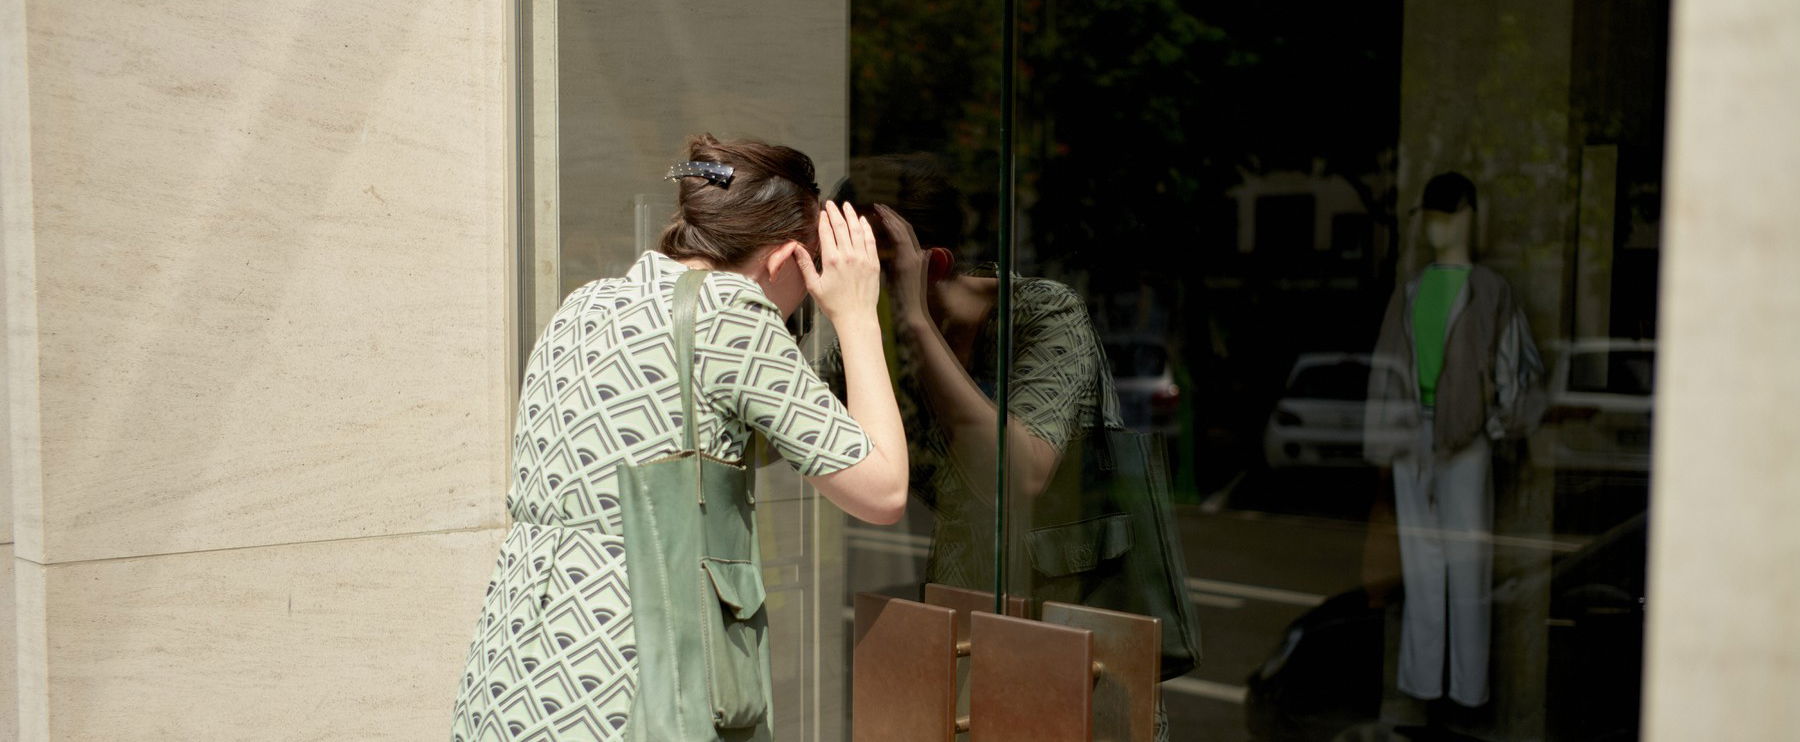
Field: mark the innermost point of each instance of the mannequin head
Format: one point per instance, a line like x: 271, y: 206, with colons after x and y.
x: 1449, y: 206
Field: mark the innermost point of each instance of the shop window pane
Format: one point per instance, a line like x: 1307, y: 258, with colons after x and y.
x: 1368, y: 556
x: 1242, y: 235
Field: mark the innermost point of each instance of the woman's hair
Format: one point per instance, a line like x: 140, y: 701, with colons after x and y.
x: 916, y: 186
x: 770, y: 199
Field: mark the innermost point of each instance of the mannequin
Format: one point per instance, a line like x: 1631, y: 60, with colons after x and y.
x: 1470, y: 375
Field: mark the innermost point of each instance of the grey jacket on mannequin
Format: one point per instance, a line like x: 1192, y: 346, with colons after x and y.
x: 1491, y: 383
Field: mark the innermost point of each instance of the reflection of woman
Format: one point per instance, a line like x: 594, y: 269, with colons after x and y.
x: 555, y: 648
x: 946, y: 323
x: 946, y: 326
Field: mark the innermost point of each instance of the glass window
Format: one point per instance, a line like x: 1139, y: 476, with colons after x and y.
x: 1369, y: 288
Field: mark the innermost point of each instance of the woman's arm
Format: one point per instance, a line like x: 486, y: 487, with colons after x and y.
x: 847, y: 287
x: 968, y: 415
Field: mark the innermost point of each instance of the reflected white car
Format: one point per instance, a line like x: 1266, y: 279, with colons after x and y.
x: 1599, y: 414
x: 1319, y: 418
x: 1145, y: 383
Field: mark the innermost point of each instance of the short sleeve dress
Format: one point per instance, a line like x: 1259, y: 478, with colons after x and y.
x: 553, y: 656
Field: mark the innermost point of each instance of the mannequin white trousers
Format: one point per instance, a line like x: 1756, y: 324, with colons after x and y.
x: 1445, y: 508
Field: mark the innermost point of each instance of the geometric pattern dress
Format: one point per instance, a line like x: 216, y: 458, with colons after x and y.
x: 553, y: 656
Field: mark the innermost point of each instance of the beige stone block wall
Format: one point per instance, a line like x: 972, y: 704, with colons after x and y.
x: 269, y: 241
x: 342, y: 640
x: 9, y: 649
x: 15, y: 210
x: 257, y: 311
x: 1724, y: 627
x: 15, y: 295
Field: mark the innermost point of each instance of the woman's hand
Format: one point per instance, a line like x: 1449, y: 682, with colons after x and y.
x: 848, y: 282
x: 847, y: 287
x: 908, y: 266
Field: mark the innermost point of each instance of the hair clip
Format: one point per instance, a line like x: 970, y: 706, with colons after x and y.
x: 714, y: 173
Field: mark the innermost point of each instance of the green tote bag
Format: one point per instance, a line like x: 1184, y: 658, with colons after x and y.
x: 695, y: 580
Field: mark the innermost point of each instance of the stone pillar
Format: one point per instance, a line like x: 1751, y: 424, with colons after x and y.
x: 1723, y: 649
x: 256, y: 300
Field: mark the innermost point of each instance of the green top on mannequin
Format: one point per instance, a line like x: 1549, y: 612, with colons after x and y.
x: 1438, y: 288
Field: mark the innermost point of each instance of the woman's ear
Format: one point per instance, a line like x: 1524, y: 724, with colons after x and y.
x: 780, y: 259
x: 938, y: 264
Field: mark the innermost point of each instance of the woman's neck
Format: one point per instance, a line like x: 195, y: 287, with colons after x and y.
x: 961, y: 307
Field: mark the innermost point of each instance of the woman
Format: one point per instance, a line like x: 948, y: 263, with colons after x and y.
x: 555, y: 649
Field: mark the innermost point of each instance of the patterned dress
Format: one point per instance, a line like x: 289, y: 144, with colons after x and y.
x: 553, y: 657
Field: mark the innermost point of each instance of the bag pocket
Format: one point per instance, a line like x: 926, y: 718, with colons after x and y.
x: 732, y: 596
x: 1074, y: 548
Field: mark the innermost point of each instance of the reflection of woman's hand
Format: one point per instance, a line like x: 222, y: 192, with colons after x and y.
x: 908, y: 266
x: 848, y: 281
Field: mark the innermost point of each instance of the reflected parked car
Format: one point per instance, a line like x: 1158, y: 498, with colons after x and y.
x: 1325, y: 681
x: 1148, y: 395
x: 1599, y: 414
x: 1319, y: 419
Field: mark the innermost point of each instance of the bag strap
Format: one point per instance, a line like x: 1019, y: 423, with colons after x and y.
x: 1104, y: 389
x: 1104, y: 386
x: 686, y: 315
x: 685, y: 318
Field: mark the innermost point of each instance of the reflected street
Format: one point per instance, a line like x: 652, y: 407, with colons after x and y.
x: 1265, y: 552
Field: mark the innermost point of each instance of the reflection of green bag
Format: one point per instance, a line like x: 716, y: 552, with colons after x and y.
x: 696, y: 581
x: 1103, y: 534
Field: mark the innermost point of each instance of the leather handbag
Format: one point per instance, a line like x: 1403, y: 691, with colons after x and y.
x: 695, y: 580
x: 1103, y: 534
